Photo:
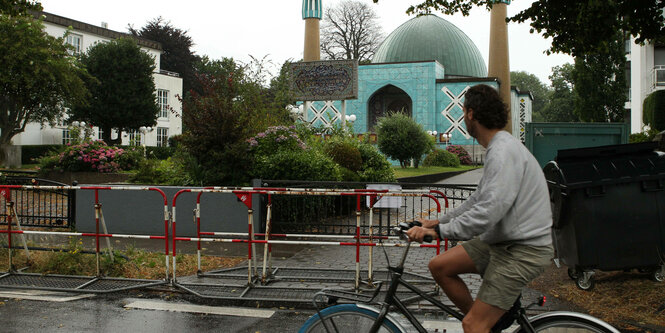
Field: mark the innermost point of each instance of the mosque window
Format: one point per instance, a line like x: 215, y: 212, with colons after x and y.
x: 385, y: 100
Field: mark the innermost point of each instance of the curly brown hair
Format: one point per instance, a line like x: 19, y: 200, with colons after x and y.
x: 487, y: 106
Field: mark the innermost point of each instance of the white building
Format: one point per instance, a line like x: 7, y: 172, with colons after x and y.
x: 646, y: 74
x: 168, y: 85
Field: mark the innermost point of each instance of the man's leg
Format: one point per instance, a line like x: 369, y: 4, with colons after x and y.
x: 445, y: 269
x: 482, y: 317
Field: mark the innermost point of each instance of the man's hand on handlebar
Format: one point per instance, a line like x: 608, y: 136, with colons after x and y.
x: 418, y: 234
x: 430, y: 224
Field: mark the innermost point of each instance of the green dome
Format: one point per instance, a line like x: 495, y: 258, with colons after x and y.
x: 430, y: 37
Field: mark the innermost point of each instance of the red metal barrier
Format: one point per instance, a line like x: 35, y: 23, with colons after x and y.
x: 6, y: 189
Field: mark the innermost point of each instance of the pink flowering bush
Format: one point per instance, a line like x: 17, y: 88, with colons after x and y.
x: 464, y: 157
x: 95, y: 156
x: 276, y: 138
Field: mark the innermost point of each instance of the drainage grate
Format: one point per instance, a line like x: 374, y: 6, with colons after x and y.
x: 73, y: 283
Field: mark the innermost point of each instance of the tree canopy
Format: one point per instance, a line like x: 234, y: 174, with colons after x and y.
x: 177, y: 55
x: 350, y: 30
x: 124, y: 96
x: 38, y: 77
x: 561, y: 106
x: 402, y: 139
x: 600, y: 83
x: 19, y: 7
x: 539, y: 91
x: 576, y: 27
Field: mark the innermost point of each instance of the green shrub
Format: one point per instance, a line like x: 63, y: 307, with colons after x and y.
x: 307, y: 164
x: 31, y: 153
x: 375, y: 168
x: 653, y: 110
x: 160, y: 153
x: 95, y: 156
x: 275, y: 138
x: 442, y: 158
x: 344, y: 153
x: 645, y: 136
x: 461, y: 153
x: 402, y: 139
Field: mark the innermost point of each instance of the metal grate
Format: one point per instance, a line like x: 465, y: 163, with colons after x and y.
x: 73, y: 283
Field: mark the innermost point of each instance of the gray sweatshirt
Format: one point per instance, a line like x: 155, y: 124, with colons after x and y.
x: 511, y: 203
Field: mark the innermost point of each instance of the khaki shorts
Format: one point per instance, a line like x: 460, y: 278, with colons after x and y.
x: 506, y: 268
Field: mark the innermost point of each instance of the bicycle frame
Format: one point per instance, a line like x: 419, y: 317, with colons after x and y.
x: 391, y: 300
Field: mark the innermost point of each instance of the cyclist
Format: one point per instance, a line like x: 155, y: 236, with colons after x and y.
x: 509, y: 213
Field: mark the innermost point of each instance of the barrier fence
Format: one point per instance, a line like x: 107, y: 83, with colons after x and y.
x: 365, y: 236
x: 245, y: 195
x: 12, y: 218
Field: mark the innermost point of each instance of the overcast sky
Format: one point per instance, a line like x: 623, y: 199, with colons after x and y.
x: 237, y: 29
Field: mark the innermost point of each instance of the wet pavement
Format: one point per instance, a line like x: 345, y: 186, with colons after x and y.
x: 297, y: 273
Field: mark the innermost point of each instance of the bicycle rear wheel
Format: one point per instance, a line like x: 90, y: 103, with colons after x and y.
x: 569, y: 322
x: 348, y: 318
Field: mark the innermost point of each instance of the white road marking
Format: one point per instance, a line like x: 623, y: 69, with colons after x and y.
x: 43, y: 295
x: 180, y: 307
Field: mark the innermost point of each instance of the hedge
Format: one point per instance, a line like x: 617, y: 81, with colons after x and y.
x: 653, y: 110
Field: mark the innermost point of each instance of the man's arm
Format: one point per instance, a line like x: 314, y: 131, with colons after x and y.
x: 500, y: 184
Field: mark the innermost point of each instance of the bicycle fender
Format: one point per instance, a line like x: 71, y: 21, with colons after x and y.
x: 574, y: 314
x: 378, y: 311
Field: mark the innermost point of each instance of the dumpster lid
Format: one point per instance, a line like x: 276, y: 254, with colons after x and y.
x: 606, y: 151
x: 605, y: 165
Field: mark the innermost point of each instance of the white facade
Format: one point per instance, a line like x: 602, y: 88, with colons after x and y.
x: 168, y: 85
x: 646, y: 75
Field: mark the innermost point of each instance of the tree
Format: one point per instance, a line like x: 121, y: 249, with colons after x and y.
x: 561, y: 106
x: 37, y: 76
x: 540, y: 92
x: 600, y: 84
x: 350, y: 30
x: 229, y: 109
x: 19, y: 7
x: 576, y: 27
x: 177, y: 55
x: 402, y: 139
x: 124, y: 96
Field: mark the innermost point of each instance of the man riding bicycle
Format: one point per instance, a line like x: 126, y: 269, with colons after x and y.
x: 509, y: 213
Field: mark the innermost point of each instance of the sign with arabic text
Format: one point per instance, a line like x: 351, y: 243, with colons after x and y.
x: 325, y: 80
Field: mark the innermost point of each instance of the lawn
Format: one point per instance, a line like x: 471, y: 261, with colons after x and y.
x: 412, y: 172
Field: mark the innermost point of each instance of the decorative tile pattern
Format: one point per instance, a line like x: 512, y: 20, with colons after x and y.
x: 454, y: 112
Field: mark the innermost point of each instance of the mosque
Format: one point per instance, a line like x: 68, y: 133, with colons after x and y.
x: 423, y: 68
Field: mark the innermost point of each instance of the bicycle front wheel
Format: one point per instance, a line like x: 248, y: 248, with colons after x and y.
x: 569, y: 322
x: 348, y: 318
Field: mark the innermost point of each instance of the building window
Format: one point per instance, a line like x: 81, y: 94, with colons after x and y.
x: 163, y: 102
x: 75, y: 41
x: 134, y: 138
x: 100, y: 134
x: 66, y: 138
x: 162, y: 137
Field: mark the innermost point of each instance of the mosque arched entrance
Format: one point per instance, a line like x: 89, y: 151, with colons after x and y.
x: 385, y: 100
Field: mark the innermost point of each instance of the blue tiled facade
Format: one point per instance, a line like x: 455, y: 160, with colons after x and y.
x: 436, y: 103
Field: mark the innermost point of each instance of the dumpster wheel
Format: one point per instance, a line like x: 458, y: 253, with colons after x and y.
x: 585, y: 280
x: 573, y: 273
x: 658, y: 274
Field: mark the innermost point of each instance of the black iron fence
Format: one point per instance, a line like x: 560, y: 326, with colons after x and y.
x: 337, y: 214
x: 39, y: 207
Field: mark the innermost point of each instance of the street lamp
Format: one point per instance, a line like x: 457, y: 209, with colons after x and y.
x: 80, y: 126
x: 143, y: 131
x: 445, y: 137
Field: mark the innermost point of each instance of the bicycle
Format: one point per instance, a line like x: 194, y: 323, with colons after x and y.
x: 361, y: 316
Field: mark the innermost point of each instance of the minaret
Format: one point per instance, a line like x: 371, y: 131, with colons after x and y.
x: 499, y: 65
x: 312, y: 12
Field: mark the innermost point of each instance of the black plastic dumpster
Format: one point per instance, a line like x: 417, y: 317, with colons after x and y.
x: 608, y: 206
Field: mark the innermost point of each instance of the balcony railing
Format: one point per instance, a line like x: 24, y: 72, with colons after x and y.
x: 169, y: 73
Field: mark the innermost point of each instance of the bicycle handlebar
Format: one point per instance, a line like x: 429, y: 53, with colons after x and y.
x: 405, y: 226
